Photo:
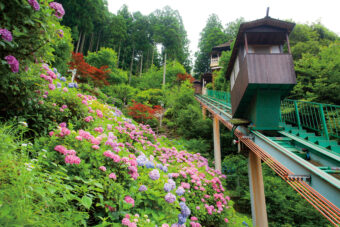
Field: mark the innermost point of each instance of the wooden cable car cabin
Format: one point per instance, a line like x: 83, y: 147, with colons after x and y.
x: 260, y: 73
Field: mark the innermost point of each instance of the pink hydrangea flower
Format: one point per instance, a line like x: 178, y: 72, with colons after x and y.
x: 13, y: 62
x: 34, y: 4
x: 193, y: 218
x: 126, y: 222
x: 102, y: 168
x: 51, y: 133
x: 112, y: 176
x: 72, y: 159
x: 6, y: 35
x: 59, y: 10
x: 226, y: 220
x: 130, y: 200
x: 51, y: 86
x: 96, y: 147
x: 65, y: 89
x: 79, y: 138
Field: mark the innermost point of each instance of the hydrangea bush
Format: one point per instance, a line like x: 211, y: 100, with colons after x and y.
x: 119, y: 168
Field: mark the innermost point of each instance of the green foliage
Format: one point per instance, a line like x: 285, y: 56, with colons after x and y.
x: 28, y: 194
x: 123, y: 93
x: 184, y: 113
x: 62, y: 50
x: 104, y: 57
x: 108, y: 57
x: 153, y: 78
x: 284, y: 206
x: 151, y: 96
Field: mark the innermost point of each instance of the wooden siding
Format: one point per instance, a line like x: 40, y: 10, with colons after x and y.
x: 263, y: 70
x: 271, y: 69
x: 240, y: 86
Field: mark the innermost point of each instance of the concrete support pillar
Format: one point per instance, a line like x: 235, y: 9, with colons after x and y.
x: 258, y: 202
x: 217, y: 144
x: 204, y: 112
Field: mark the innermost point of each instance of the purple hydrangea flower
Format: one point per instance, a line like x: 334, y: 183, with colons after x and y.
x: 180, y: 191
x: 170, y: 175
x: 154, y: 174
x: 13, y: 62
x: 149, y: 165
x: 167, y: 187
x: 185, y: 211
x: 75, y: 85
x: 59, y: 10
x: 58, y: 85
x: 181, y: 219
x: 142, y: 188
x: 165, y: 169
x: 141, y: 160
x: 71, y: 85
x: 63, y: 79
x: 6, y: 35
x: 54, y: 70
x: 34, y: 4
x: 170, y: 198
x: 172, y: 183
x: 159, y: 166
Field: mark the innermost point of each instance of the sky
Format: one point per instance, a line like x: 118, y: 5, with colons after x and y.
x: 195, y: 13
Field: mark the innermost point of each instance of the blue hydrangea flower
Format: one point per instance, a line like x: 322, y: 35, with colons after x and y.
x: 181, y: 219
x: 172, y: 183
x: 63, y: 79
x: 180, y: 191
x: 165, y: 169
x: 141, y: 160
x: 167, y: 187
x: 55, y: 70
x: 71, y: 85
x: 58, y: 75
x: 185, y: 211
x: 76, y: 85
x: 58, y: 85
x: 149, y: 165
x: 159, y: 166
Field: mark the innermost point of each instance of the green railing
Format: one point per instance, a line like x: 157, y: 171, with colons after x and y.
x: 221, y: 96
x: 324, y: 119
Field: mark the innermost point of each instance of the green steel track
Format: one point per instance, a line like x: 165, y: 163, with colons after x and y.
x: 317, y: 165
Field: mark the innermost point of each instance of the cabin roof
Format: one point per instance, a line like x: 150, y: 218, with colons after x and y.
x: 221, y: 47
x: 262, y: 31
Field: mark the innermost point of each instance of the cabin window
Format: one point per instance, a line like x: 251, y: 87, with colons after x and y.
x: 264, y: 49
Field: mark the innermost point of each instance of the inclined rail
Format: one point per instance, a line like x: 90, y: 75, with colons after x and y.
x: 318, y: 187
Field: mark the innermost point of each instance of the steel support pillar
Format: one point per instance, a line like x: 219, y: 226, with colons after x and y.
x: 217, y: 144
x: 258, y: 201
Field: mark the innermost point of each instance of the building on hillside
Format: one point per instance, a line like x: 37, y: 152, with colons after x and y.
x: 260, y: 73
x: 215, y: 55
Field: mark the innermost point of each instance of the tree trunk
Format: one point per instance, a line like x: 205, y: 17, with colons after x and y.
x: 153, y: 52
x: 164, y: 72
x: 141, y: 66
x: 82, y: 43
x: 118, y: 55
x: 79, y: 39
x: 98, y: 43
x: 91, y: 43
x: 131, y: 64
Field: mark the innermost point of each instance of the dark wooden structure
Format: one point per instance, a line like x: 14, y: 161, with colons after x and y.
x: 216, y: 53
x: 260, y: 73
x: 197, y: 87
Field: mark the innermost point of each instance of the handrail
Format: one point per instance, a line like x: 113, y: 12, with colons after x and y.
x: 324, y: 119
x: 221, y: 96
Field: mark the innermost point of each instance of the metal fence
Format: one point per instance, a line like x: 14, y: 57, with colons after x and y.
x: 323, y: 119
x: 222, y: 96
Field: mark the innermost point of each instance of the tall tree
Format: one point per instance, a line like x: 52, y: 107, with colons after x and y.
x: 211, y: 35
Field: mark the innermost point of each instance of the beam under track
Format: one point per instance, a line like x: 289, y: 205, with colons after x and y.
x: 217, y: 144
x: 256, y: 187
